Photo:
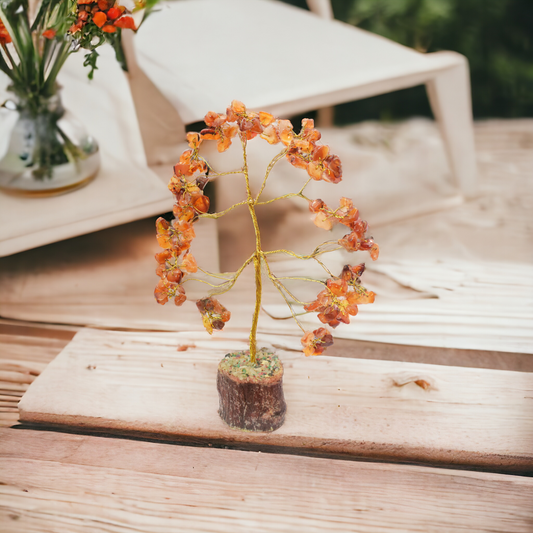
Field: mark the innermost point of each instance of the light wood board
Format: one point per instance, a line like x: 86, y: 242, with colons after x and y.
x: 73, y: 483
x: 139, y: 383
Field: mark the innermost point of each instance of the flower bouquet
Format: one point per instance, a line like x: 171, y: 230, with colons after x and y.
x: 48, y: 152
x: 250, y: 382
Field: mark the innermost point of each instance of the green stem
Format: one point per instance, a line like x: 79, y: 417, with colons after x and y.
x: 61, y: 57
x: 119, y: 50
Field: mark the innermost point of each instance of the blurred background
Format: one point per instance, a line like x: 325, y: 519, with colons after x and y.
x: 495, y: 35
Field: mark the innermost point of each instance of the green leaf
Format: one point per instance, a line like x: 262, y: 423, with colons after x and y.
x: 90, y: 61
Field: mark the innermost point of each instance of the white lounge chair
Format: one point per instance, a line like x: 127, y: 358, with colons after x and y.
x: 201, y: 54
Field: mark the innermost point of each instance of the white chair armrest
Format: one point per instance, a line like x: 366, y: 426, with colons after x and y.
x: 322, y: 8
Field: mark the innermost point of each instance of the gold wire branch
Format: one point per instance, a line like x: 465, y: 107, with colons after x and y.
x: 323, y: 266
x: 297, y: 300
x: 267, y: 173
x: 299, y: 278
x: 214, y: 174
x: 206, y: 282
x: 228, y: 281
x: 281, y: 288
x: 284, y: 197
x: 222, y: 213
x: 313, y: 255
x: 213, y: 275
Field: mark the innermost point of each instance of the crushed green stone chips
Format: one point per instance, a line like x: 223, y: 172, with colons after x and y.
x: 238, y: 364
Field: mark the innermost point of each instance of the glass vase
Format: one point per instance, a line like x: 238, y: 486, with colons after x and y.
x: 46, y: 150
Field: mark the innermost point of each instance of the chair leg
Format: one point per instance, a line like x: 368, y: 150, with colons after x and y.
x: 449, y: 96
x: 162, y: 129
x: 325, y: 117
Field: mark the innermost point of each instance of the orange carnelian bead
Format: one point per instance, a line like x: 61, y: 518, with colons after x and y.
x: 180, y: 297
x: 265, y: 118
x: 315, y: 342
x: 189, y: 263
x: 201, y: 204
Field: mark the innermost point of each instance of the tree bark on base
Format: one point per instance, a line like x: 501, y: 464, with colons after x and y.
x: 252, y: 406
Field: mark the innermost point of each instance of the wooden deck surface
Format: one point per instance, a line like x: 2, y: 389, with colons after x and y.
x: 74, y: 483
x: 61, y: 482
x: 57, y: 481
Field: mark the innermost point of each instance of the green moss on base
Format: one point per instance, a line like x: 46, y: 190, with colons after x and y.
x: 268, y: 367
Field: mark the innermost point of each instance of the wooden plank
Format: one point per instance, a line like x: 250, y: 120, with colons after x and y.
x: 72, y: 483
x: 25, y: 350
x: 36, y: 351
x: 139, y: 383
x: 9, y: 419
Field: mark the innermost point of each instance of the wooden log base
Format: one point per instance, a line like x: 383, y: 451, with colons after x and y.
x: 251, y: 396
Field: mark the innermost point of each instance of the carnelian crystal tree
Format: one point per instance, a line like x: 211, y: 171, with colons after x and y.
x: 340, y: 295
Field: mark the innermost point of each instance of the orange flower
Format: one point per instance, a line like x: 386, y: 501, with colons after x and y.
x: 4, y: 34
x: 109, y: 29
x: 99, y: 18
x: 114, y: 13
x: 76, y: 27
x: 214, y: 314
x: 315, y: 342
x: 49, y: 34
x: 324, y: 166
x: 126, y: 23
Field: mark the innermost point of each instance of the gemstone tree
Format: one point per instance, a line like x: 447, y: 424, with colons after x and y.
x: 246, y: 378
